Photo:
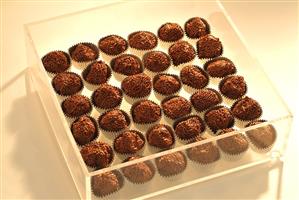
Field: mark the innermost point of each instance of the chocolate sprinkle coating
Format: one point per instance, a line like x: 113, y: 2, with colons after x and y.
x: 234, y: 144
x: 129, y: 142
x: 170, y: 32
x: 189, y: 127
x: 143, y: 40
x: 246, y: 109
x: 176, y: 107
x: 84, y: 52
x: 97, y: 73
x: 107, y: 96
x: 209, y: 46
x: 194, y: 76
x: 219, y: 117
x: 160, y: 136
x: 171, y: 164
x: 233, y: 87
x: 220, y: 67
x: 204, y: 99
x: 67, y: 83
x: 166, y: 84
x: 114, y: 120
x: 181, y: 52
x: 113, y: 45
x: 146, y: 111
x: 196, y: 27
x: 56, y: 61
x: 156, y: 61
x: 137, y: 86
x: 76, y: 105
x: 127, y: 64
x: 84, y: 130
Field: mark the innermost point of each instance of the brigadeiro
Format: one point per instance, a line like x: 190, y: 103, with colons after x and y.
x: 205, y: 98
x: 205, y: 153
x: 171, y: 164
x: 67, y: 83
x: 113, y: 45
x: 137, y: 86
x: 209, y: 46
x: 196, y: 27
x: 114, y: 120
x: 233, y: 87
x: 234, y: 144
x: 246, y: 109
x: 107, y: 96
x: 129, y: 142
x: 156, y: 61
x: 176, y: 107
x: 56, y: 61
x: 170, y: 32
x: 219, y: 117
x: 127, y: 64
x: 262, y: 137
x: 194, y: 76
x: 160, y: 136
x: 188, y: 127
x: 181, y: 52
x: 143, y: 40
x: 84, y: 129
x: 84, y: 52
x: 166, y: 84
x: 220, y: 67
x: 106, y: 183
x: 139, y: 173
x: 97, y: 154
x: 145, y: 111
x: 97, y: 73
x: 76, y: 105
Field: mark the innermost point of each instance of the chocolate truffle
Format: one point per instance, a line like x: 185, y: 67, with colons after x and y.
x: 84, y: 52
x: 97, y: 154
x: 194, y: 76
x: 234, y: 144
x: 76, y: 105
x: 262, y: 137
x: 233, y: 87
x: 106, y: 183
x: 166, y: 84
x: 220, y: 67
x: 129, y: 142
x: 204, y: 99
x: 171, y: 164
x: 143, y: 40
x: 170, y: 32
x: 114, y: 120
x: 145, y: 111
x: 246, y: 109
x: 219, y: 117
x: 113, y: 45
x: 209, y: 46
x: 189, y: 127
x: 97, y: 73
x: 196, y: 27
x: 176, y: 107
x: 139, y: 173
x: 156, y: 61
x: 181, y: 52
x: 67, y: 83
x: 84, y: 129
x: 160, y: 136
x: 126, y: 64
x: 56, y: 61
x: 107, y: 96
x: 205, y: 153
x: 137, y: 86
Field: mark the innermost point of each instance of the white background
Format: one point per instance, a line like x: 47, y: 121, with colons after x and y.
x: 32, y: 166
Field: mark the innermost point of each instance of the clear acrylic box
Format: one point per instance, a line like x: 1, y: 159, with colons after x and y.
x: 122, y: 18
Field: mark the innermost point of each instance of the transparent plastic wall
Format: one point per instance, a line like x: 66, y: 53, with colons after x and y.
x: 60, y: 33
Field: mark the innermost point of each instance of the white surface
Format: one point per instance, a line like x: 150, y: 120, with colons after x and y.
x: 33, y: 167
